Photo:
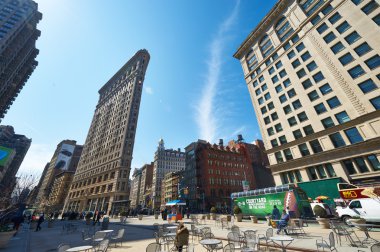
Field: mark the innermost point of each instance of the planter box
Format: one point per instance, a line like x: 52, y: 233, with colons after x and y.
x: 213, y: 216
x: 156, y: 216
x: 140, y: 216
x: 5, y: 237
x: 253, y: 218
x: 229, y: 218
x: 239, y: 217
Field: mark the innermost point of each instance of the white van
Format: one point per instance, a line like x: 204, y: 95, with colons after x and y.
x: 368, y: 209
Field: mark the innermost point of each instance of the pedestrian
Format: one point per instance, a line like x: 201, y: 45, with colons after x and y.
x: 188, y: 213
x: 276, y: 213
x: 182, y: 237
x: 94, y: 218
x: 283, y: 222
x: 39, y: 222
x: 17, y: 220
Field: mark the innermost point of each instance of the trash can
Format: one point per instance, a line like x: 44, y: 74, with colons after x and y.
x: 106, y: 221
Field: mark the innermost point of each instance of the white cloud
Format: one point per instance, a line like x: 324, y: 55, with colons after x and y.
x: 148, y: 90
x: 36, y: 158
x: 206, y: 115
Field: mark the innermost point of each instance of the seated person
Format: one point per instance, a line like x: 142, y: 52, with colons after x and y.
x: 182, y: 237
x: 283, y: 222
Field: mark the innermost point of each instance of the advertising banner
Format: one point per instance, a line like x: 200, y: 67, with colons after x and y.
x: 261, y: 205
x: 64, y: 156
x: 6, y: 155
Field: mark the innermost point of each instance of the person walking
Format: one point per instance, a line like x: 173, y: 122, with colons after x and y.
x: 39, y: 222
x: 182, y: 237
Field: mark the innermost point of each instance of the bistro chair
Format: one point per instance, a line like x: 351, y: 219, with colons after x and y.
x: 153, y: 247
x: 119, y: 237
x: 103, y: 246
x: 324, y: 245
x: 230, y: 247
x: 234, y: 237
x: 266, y: 237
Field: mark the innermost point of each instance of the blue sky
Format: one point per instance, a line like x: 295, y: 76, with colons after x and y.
x: 194, y: 88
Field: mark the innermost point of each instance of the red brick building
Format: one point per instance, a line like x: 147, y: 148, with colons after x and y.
x: 213, y: 172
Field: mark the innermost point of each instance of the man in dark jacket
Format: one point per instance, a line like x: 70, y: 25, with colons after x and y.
x: 39, y: 222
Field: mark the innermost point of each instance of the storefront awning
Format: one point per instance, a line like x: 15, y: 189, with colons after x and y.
x: 176, y: 202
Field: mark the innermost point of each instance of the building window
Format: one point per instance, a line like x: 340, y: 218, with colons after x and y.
x: 283, y: 98
x: 352, y: 38
x: 270, y: 131
x: 282, y: 73
x: 325, y: 89
x: 255, y: 83
x: 274, y: 116
x: 322, y: 28
x: 279, y: 157
x: 297, y: 134
x: 283, y: 29
x: 274, y: 143
x: 312, y: 173
x: 374, y: 162
x: 373, y: 62
x: 297, y: 104
x: 300, y: 47
x: 278, y: 88
x: 337, y: 140
x: 304, y: 150
x: 329, y: 37
x: 288, y: 154
x: 356, y: 71
x: 349, y: 166
x: 261, y: 79
x: 292, y: 121
x: 271, y: 70
x: 284, y: 178
x: 353, y: 135
x: 270, y: 106
x: 287, y: 83
x: 318, y: 77
x: 278, y: 127
x: 330, y: 170
x: 345, y: 59
x: 316, y: 146
x: 275, y: 79
x: 376, y: 102
x: 343, y: 27
x: 266, y: 46
x: 267, y: 96
x: 376, y: 19
x: 313, y: 95
x: 301, y: 73
x: 306, y: 84
x: 282, y: 139
x: 333, y: 102
x: 321, y: 171
x: 356, y: 2
x: 334, y: 18
x: 308, y: 130
x: 370, y: 7
x: 363, y: 49
x: 267, y: 120
x: 337, y: 47
x: 311, y: 6
x: 258, y: 91
x: 361, y: 164
x: 291, y: 93
x: 328, y: 123
x: 298, y: 175
x: 296, y: 63
x: 261, y: 100
x: 302, y: 117
x: 320, y: 108
x: 264, y: 87
x: 287, y: 109
x: 305, y: 56
x: 342, y: 117
x: 263, y: 110
x: 367, y: 86
x: 291, y: 54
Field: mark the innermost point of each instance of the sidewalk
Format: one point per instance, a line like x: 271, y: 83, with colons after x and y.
x: 139, y: 233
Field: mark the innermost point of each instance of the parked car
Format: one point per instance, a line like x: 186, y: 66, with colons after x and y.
x: 368, y: 209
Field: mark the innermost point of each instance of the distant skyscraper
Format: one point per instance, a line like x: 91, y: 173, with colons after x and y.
x: 13, y: 148
x: 18, y: 35
x: 312, y: 70
x: 165, y: 161
x: 101, y: 180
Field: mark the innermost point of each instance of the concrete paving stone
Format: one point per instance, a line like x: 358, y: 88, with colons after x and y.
x: 139, y: 233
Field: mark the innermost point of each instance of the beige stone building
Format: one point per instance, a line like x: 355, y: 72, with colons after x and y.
x: 312, y: 70
x: 135, y: 188
x: 101, y: 180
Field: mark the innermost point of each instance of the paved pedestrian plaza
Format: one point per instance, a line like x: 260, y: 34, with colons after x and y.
x: 139, y: 233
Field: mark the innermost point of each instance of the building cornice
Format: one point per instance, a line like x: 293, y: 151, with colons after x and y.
x: 334, y: 155
x: 262, y: 27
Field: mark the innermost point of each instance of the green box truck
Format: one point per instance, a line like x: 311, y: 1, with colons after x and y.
x: 260, y: 202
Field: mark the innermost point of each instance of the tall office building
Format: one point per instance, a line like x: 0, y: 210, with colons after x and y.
x: 64, y: 155
x: 312, y: 70
x: 165, y: 161
x: 102, y: 176
x: 18, y: 35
